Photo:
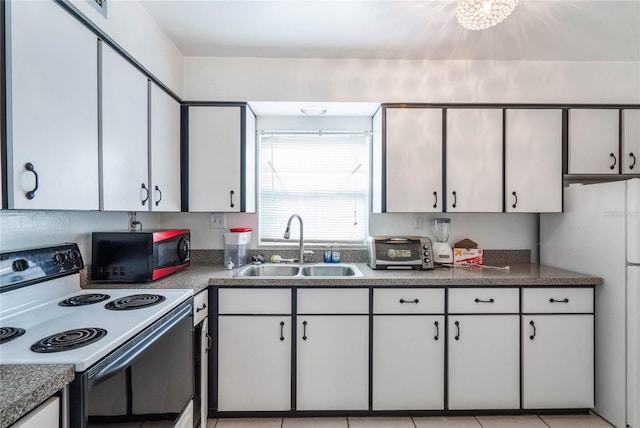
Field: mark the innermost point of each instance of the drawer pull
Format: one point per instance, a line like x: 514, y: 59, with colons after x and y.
x: 615, y: 161
x: 437, y: 336
x: 457, y: 330
x: 204, y: 306
x: 565, y: 300
x: 484, y: 301
x: 534, y: 329
x: 281, y: 330
x: 304, y: 330
x: 409, y: 301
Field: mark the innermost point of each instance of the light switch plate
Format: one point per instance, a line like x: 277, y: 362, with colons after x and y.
x: 218, y: 221
x: 418, y: 222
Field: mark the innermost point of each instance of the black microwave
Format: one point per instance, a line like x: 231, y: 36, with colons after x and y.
x: 139, y: 256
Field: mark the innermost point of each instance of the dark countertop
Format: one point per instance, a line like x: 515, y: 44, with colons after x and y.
x: 25, y: 387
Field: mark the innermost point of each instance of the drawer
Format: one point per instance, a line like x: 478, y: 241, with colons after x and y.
x: 408, y: 301
x: 557, y: 300
x: 254, y: 301
x: 483, y: 300
x: 200, y: 306
x: 330, y: 301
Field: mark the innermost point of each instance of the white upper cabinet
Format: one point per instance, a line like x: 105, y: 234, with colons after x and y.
x: 594, y: 141
x: 533, y: 153
x: 217, y: 159
x: 630, y: 141
x: 125, y: 177
x: 52, y: 109
x: 164, y: 151
x: 474, y: 160
x: 413, y: 159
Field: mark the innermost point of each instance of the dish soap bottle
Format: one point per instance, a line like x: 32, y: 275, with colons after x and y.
x: 327, y: 254
x: 335, y: 254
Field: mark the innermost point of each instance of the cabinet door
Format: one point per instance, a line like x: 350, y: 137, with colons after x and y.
x: 557, y: 361
x: 47, y: 415
x: 414, y: 159
x: 125, y: 185
x: 408, y: 362
x: 254, y: 363
x: 53, y: 109
x: 164, y: 151
x: 332, y: 362
x: 533, y: 160
x: 474, y: 160
x: 593, y: 141
x: 630, y: 141
x: 214, y: 159
x: 484, y: 362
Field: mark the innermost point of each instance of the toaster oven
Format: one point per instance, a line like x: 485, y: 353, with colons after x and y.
x: 400, y: 252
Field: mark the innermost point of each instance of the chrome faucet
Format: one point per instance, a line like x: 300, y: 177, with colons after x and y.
x: 286, y: 236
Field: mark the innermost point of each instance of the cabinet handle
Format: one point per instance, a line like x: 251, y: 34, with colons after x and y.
x: 615, y: 161
x: 565, y: 300
x: 159, y: 199
x: 484, y: 301
x: 437, y: 336
x: 455, y: 199
x: 204, y: 306
x: 304, y: 330
x: 209, y: 342
x: 515, y: 203
x: 281, y: 330
x: 634, y: 160
x: 146, y: 198
x: 534, y: 329
x: 457, y: 330
x: 409, y: 301
x: 31, y: 193
x: 435, y: 195
x: 231, y: 198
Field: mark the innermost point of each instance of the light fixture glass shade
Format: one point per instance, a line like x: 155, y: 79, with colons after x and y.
x: 481, y: 14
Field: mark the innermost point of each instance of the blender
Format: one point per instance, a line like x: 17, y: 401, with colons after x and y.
x: 442, y: 252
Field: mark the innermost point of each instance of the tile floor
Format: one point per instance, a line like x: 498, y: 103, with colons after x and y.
x: 525, y: 421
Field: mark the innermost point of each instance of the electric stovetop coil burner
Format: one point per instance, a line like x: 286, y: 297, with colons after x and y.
x: 135, y: 301
x: 67, y: 340
x: 10, y: 333
x: 84, y: 299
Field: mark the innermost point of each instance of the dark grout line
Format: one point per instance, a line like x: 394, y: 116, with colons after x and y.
x: 414, y: 423
x: 479, y: 423
x: 543, y: 421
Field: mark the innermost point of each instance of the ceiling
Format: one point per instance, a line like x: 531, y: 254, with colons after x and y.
x: 557, y: 30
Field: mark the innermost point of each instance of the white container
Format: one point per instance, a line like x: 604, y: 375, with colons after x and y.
x: 235, y: 248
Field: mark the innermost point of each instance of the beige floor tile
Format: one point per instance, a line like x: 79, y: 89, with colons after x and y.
x: 446, y: 422
x: 525, y: 421
x: 380, y: 422
x: 249, y: 423
x: 315, y: 423
x: 575, y: 421
x: 211, y: 423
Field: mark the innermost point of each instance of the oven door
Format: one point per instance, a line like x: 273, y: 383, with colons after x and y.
x: 150, y: 378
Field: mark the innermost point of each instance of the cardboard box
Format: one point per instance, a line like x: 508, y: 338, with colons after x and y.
x: 474, y: 256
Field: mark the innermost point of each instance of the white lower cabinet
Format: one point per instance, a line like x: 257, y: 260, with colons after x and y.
x: 254, y: 363
x: 484, y: 362
x: 408, y: 362
x: 332, y: 362
x: 47, y: 415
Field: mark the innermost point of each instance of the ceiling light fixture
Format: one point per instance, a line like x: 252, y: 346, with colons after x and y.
x: 313, y: 110
x: 481, y: 14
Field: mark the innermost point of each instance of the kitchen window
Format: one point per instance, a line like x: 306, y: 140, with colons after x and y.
x: 323, y: 177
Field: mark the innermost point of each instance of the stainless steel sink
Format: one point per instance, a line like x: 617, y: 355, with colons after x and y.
x: 301, y: 271
x: 270, y: 270
x: 330, y: 270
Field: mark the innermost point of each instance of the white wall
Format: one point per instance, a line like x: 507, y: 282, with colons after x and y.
x: 129, y: 25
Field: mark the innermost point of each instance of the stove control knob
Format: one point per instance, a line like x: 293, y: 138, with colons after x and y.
x: 74, y: 255
x: 58, y: 258
x: 20, y: 265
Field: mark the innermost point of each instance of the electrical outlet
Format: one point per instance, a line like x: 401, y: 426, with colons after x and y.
x: 218, y: 221
x: 418, y: 222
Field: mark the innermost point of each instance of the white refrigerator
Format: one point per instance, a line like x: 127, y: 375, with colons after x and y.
x: 599, y: 234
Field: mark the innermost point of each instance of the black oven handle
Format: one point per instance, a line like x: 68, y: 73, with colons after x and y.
x: 128, y: 356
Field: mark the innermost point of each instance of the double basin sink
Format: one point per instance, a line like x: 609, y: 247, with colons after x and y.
x: 301, y: 271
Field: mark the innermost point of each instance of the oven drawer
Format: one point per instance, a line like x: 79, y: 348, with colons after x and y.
x: 481, y: 300
x: 408, y: 301
x: 200, y: 307
x: 253, y: 301
x: 557, y: 300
